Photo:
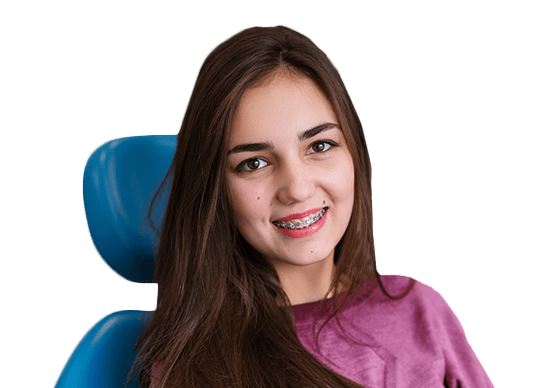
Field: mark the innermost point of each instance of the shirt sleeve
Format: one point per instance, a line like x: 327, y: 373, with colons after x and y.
x: 462, y: 368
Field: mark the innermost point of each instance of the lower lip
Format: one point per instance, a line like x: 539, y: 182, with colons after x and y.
x: 299, y: 233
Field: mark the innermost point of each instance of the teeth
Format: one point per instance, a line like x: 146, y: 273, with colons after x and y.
x: 302, y: 223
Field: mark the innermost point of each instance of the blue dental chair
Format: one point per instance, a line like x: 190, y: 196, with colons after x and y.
x: 119, y: 182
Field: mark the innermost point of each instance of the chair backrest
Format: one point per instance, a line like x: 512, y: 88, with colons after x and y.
x: 119, y: 182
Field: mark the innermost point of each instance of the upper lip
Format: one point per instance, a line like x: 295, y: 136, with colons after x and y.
x: 299, y: 215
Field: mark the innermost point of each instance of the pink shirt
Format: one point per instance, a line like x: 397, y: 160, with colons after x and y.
x: 416, y: 341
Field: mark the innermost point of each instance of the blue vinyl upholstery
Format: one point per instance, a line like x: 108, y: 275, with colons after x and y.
x: 119, y: 182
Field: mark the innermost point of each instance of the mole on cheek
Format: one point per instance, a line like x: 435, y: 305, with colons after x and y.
x: 258, y: 198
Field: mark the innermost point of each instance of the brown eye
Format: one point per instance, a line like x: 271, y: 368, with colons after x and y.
x: 320, y: 147
x: 251, y: 165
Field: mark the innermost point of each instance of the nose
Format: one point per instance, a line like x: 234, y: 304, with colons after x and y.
x: 295, y: 183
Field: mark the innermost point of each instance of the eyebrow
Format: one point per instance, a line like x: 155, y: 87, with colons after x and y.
x: 266, y: 146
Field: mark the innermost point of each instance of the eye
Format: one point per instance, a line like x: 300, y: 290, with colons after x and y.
x: 251, y: 165
x: 320, y: 147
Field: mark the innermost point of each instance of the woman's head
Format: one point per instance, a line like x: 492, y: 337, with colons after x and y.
x: 243, y: 68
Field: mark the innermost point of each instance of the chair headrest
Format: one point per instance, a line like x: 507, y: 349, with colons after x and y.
x: 120, y: 180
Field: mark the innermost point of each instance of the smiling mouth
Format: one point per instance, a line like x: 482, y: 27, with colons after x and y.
x: 301, y: 223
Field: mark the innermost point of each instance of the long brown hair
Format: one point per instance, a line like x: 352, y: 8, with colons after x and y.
x: 217, y: 323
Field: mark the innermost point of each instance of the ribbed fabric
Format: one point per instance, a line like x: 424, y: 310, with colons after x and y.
x: 416, y: 341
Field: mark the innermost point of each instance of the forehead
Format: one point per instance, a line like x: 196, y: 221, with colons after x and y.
x: 282, y: 105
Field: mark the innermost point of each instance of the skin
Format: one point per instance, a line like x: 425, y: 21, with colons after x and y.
x: 293, y: 177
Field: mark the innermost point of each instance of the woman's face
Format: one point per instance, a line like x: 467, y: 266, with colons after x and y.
x: 288, y: 161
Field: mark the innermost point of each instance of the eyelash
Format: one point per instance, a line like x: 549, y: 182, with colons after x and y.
x: 240, y: 167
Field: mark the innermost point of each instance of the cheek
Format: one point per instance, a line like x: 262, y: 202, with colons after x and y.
x: 250, y: 201
x: 342, y: 180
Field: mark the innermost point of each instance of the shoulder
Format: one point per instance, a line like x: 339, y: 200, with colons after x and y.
x: 426, y: 308
x: 413, y: 291
x: 438, y: 330
x: 420, y: 304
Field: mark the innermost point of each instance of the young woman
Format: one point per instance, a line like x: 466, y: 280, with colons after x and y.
x: 266, y: 267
